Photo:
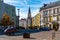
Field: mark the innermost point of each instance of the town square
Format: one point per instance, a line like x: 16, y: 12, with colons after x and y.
x: 29, y: 19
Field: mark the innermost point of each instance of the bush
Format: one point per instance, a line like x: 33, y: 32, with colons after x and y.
x: 55, y: 26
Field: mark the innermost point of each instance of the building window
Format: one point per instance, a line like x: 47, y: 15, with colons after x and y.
x: 50, y: 11
x: 58, y: 18
x: 12, y: 14
x: 50, y: 19
x: 0, y: 6
x: 57, y: 10
x: 54, y: 11
x: 12, y: 18
x: 45, y: 19
x: 45, y: 12
x: 13, y: 10
x: 54, y: 18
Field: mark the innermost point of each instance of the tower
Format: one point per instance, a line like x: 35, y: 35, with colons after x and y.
x: 29, y: 20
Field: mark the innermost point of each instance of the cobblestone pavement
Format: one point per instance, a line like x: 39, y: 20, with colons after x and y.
x: 44, y: 35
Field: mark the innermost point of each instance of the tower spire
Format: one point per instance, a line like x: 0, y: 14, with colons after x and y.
x: 29, y: 13
x: 29, y: 10
x: 29, y: 20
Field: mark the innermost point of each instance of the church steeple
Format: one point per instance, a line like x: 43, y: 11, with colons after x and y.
x: 29, y: 20
x: 29, y: 10
x: 29, y: 13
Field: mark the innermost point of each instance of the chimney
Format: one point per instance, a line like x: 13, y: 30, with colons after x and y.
x: 45, y: 5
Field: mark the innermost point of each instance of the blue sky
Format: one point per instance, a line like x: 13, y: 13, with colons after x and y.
x: 23, y: 5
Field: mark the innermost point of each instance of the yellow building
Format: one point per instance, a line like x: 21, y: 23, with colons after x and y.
x: 36, y: 21
x: 33, y: 22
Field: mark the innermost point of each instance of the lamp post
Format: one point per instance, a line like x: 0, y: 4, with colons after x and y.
x: 18, y: 17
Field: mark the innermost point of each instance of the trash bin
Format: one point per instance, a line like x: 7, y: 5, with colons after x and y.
x: 26, y: 35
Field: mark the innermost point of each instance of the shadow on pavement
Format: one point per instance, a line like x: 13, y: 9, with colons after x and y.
x: 30, y: 38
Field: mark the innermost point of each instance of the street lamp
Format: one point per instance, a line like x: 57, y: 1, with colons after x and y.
x: 18, y: 11
x: 18, y: 17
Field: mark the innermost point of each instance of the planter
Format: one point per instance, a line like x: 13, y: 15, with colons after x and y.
x: 26, y: 35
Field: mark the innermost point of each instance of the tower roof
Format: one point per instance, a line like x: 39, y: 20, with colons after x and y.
x: 29, y: 13
x: 29, y: 10
x: 50, y: 5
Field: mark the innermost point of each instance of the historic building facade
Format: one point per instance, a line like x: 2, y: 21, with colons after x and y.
x: 9, y: 10
x: 49, y: 13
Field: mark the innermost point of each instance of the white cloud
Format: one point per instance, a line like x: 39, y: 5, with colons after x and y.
x: 23, y: 16
x: 19, y: 2
x: 9, y: 1
x: 23, y: 11
x: 35, y: 12
x: 37, y: 6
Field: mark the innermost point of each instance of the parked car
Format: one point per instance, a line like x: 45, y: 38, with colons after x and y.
x: 10, y: 30
x: 45, y: 29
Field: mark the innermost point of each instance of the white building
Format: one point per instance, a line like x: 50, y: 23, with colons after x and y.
x: 23, y: 23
